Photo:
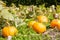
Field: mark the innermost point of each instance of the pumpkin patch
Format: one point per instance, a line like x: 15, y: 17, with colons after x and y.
x: 31, y: 21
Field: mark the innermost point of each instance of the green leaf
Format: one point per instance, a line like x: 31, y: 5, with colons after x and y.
x: 50, y: 16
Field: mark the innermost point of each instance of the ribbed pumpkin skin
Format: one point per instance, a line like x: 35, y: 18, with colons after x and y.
x: 9, y: 31
x: 54, y: 23
x: 39, y: 27
x: 58, y: 25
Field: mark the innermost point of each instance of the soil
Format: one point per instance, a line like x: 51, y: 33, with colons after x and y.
x: 53, y: 33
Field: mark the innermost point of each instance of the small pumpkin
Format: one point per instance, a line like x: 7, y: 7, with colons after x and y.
x: 9, y: 31
x: 54, y: 23
x: 42, y: 18
x: 39, y: 27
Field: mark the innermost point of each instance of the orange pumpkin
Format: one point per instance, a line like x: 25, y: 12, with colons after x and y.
x: 9, y: 31
x: 58, y: 25
x: 39, y: 27
x: 31, y: 23
x: 42, y: 18
x: 54, y: 23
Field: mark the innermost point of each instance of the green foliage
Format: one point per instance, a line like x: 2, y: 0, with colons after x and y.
x: 2, y: 38
x: 58, y: 8
x: 32, y: 37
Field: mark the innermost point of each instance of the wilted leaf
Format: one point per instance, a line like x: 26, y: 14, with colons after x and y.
x: 1, y: 7
x: 6, y: 15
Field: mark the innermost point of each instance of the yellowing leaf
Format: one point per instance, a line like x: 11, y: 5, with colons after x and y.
x: 7, y: 15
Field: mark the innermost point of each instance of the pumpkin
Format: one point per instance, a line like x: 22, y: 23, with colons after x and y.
x: 42, y: 18
x: 58, y: 25
x: 39, y: 27
x: 9, y: 31
x: 54, y: 23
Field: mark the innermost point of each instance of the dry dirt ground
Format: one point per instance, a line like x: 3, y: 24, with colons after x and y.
x: 53, y: 33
